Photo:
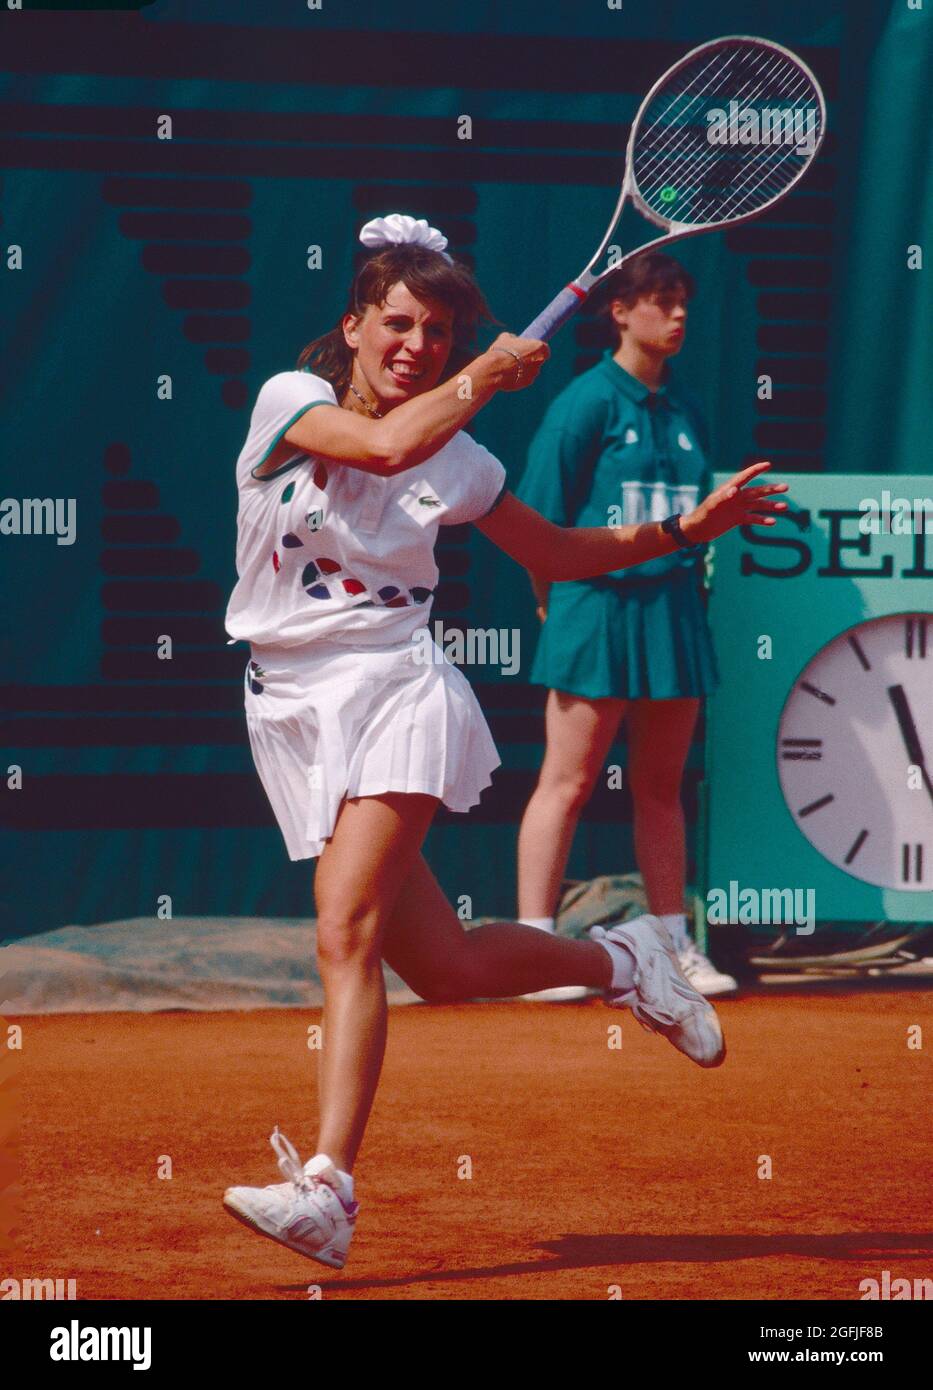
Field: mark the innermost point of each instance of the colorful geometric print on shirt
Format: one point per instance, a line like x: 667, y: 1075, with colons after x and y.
x: 333, y: 551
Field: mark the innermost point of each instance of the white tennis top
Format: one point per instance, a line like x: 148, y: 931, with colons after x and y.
x: 326, y: 550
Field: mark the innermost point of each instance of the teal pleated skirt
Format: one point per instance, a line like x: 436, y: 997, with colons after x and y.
x: 647, y: 641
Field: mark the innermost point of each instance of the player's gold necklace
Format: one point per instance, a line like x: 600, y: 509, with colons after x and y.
x: 377, y: 414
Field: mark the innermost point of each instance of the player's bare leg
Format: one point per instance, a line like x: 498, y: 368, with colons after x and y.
x: 426, y: 943
x: 633, y: 962
x: 359, y: 875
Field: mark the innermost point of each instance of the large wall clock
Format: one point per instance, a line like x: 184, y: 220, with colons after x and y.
x: 855, y: 751
x: 819, y: 741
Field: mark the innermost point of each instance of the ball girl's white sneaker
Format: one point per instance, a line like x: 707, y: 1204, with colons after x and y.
x: 306, y: 1213
x: 702, y: 973
x: 559, y: 994
x: 663, y: 1000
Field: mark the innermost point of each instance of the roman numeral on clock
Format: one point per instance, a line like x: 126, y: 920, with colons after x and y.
x: 915, y: 638
x: 857, y: 648
x: 802, y: 749
x: 820, y: 694
x: 912, y: 872
x: 857, y: 843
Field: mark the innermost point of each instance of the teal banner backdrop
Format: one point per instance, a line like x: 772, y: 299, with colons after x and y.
x: 179, y: 216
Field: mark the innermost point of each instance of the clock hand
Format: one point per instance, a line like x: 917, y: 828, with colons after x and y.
x: 909, y: 732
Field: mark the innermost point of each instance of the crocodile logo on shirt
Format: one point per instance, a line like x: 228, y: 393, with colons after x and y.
x: 428, y: 502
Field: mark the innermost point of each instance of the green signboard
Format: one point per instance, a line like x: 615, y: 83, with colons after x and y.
x: 820, y: 738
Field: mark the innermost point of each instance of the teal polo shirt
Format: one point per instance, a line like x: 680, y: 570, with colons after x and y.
x: 611, y: 452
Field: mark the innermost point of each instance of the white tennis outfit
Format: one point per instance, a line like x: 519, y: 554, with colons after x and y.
x: 336, y: 574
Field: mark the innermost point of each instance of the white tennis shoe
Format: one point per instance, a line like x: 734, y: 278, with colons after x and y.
x: 702, y: 973
x: 306, y: 1213
x: 663, y: 999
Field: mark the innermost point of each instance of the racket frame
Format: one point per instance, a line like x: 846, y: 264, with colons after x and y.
x: 581, y: 286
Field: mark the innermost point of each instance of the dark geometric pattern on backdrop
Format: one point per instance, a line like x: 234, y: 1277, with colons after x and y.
x: 195, y: 212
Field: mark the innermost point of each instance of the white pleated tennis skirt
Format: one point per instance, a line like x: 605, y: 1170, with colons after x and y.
x: 328, y: 721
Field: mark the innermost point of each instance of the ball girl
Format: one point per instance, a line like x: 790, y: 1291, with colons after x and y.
x: 350, y: 465
x: 634, y: 645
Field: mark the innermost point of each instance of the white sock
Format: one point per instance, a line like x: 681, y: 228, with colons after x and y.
x: 676, y: 923
x: 542, y: 923
x: 344, y: 1180
x: 623, y: 965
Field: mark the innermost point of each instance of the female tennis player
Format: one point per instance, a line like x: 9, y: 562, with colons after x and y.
x: 634, y: 644
x: 347, y: 472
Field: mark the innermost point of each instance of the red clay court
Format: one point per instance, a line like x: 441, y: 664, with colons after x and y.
x: 591, y: 1167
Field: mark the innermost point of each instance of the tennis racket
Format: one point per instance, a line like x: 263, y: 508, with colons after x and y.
x: 722, y: 136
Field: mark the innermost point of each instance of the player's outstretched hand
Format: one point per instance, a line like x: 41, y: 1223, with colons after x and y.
x: 520, y: 358
x: 734, y: 504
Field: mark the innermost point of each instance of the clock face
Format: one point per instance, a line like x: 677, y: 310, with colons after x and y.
x: 855, y: 751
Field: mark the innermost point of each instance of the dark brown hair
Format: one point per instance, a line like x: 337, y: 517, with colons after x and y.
x: 650, y: 273
x: 428, y: 276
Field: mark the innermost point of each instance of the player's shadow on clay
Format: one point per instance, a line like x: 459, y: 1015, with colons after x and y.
x: 588, y: 1252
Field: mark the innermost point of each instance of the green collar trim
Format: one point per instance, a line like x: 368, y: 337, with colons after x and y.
x: 629, y: 385
x: 299, y: 455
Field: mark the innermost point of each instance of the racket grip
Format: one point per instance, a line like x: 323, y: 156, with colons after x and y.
x: 560, y: 309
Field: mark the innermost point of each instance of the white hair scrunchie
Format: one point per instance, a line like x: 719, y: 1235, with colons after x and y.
x: 398, y: 229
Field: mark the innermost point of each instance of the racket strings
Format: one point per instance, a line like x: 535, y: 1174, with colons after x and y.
x: 685, y: 137
x: 695, y: 160
x: 701, y: 186
x: 720, y: 72
x: 733, y: 209
x: 676, y: 162
x: 702, y: 179
x: 676, y: 126
x: 682, y: 139
x: 764, y: 177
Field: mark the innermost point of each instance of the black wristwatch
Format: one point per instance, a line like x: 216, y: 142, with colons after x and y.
x: 671, y: 525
